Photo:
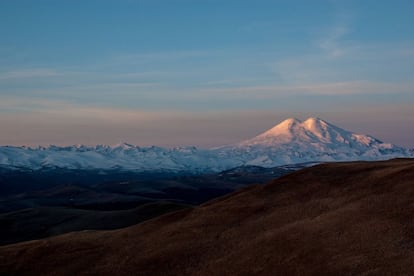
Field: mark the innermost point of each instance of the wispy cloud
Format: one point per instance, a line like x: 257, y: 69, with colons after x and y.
x: 162, y: 56
x: 332, y: 89
x: 55, y: 109
x: 323, y: 61
x: 331, y: 39
x: 331, y: 43
x: 29, y: 73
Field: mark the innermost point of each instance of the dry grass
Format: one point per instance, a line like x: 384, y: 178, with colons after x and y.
x: 336, y: 219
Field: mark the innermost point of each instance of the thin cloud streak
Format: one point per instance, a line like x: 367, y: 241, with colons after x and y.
x: 334, y: 88
x: 164, y: 56
x: 60, y: 109
x: 29, y: 73
x: 331, y: 44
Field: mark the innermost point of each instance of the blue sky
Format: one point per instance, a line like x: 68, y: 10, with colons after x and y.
x: 163, y: 71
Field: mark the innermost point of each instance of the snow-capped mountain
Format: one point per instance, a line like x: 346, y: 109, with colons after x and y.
x: 122, y: 156
x: 289, y: 142
x: 293, y: 141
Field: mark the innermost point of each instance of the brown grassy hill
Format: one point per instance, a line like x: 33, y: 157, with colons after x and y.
x: 335, y: 219
x: 42, y: 222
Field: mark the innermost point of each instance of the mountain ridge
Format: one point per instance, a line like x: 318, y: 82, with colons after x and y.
x: 289, y: 142
x: 312, y: 127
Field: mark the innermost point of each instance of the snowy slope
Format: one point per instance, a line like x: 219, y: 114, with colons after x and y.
x: 123, y: 156
x: 293, y: 141
x: 289, y: 142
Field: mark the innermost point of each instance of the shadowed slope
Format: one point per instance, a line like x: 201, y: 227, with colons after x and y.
x: 342, y: 218
x: 37, y: 223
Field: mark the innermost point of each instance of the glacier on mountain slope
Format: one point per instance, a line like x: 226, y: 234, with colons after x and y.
x: 293, y: 141
x: 290, y: 142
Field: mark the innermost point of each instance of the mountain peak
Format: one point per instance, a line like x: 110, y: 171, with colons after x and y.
x: 289, y: 142
x: 313, y: 123
x: 283, y: 127
x: 289, y: 122
x: 123, y: 145
x: 312, y: 130
x: 314, y: 120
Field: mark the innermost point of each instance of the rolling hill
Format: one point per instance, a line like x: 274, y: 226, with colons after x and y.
x: 335, y: 219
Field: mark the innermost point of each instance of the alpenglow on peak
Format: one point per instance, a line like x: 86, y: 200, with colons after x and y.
x: 289, y: 142
x: 310, y: 133
x: 293, y: 127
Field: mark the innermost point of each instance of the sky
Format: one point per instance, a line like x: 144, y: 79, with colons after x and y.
x: 202, y: 72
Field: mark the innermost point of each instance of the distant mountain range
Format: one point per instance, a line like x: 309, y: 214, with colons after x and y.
x: 290, y: 142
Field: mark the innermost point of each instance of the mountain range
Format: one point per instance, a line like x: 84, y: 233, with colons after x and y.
x: 290, y: 142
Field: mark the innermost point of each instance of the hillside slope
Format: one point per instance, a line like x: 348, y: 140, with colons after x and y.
x: 340, y: 218
x: 42, y: 222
